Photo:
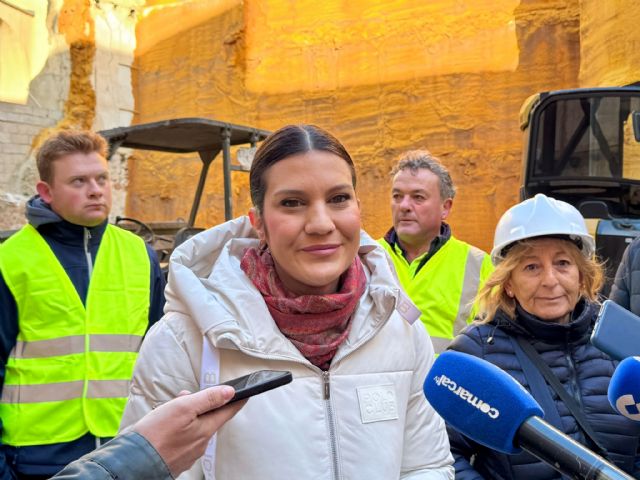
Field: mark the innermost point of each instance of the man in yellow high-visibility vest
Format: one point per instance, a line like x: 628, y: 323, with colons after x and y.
x: 76, y: 297
x: 440, y: 273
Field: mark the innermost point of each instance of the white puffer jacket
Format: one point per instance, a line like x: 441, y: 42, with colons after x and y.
x: 374, y: 423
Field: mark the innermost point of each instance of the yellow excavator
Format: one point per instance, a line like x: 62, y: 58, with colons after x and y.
x: 583, y: 146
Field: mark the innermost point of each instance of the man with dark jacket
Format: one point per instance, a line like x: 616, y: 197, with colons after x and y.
x: 625, y: 290
x: 76, y: 297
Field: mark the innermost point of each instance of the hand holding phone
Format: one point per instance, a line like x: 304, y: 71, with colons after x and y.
x: 258, y: 382
x: 180, y: 429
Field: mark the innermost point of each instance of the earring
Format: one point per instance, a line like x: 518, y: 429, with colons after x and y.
x: 509, y: 293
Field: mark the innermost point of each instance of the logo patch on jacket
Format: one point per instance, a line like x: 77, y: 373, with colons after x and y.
x: 377, y: 403
x: 407, y: 309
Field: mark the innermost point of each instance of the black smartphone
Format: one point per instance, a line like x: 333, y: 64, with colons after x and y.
x: 258, y: 382
x: 617, y: 331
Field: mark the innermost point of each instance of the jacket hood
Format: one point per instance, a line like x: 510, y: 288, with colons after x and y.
x: 207, y: 284
x: 49, y: 223
x: 39, y: 212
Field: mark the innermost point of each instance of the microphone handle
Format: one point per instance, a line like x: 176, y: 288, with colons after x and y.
x: 564, y: 454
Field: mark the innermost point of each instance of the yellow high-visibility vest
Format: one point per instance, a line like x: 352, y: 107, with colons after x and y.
x: 444, y: 288
x: 70, y: 370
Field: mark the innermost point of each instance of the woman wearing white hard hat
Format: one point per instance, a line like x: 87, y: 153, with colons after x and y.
x: 537, y: 311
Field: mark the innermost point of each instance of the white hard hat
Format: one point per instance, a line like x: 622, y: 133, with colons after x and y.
x: 541, y: 216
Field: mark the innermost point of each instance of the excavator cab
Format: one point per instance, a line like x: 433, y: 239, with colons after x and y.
x: 582, y: 146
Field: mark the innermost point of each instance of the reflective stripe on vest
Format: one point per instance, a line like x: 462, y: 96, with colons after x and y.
x: 445, y: 287
x: 56, y: 392
x: 470, y: 287
x: 75, y: 344
x: 70, y: 369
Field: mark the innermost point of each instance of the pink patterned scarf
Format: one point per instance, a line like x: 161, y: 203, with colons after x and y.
x: 315, y: 324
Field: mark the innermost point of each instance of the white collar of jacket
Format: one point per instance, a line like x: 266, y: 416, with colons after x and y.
x: 207, y: 284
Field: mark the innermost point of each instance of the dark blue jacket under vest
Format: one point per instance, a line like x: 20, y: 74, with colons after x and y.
x: 67, y: 242
x: 581, y: 368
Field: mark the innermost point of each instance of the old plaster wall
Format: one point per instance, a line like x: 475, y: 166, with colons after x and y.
x: 610, y: 43
x: 81, y: 78
x: 446, y: 76
x: 40, y: 104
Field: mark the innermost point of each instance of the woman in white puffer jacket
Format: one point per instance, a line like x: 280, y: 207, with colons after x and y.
x: 298, y: 286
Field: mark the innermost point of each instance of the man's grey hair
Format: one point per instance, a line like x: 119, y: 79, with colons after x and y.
x: 414, y: 160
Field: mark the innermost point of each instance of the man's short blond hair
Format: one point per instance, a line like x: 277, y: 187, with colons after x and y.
x: 67, y: 142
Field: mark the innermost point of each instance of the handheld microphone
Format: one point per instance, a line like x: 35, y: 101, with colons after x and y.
x: 624, y: 388
x: 617, y: 331
x: 489, y: 406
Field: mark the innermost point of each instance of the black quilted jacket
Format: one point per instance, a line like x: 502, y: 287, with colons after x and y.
x: 582, y: 369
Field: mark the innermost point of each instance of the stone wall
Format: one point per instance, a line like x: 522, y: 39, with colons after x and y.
x: 610, y: 43
x: 84, y: 82
x: 446, y: 76
x: 383, y: 76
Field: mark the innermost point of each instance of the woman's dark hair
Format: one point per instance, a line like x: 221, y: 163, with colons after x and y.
x: 291, y: 140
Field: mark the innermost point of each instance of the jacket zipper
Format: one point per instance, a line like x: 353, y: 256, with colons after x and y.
x: 326, y: 396
x: 326, y: 390
x: 87, y: 253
